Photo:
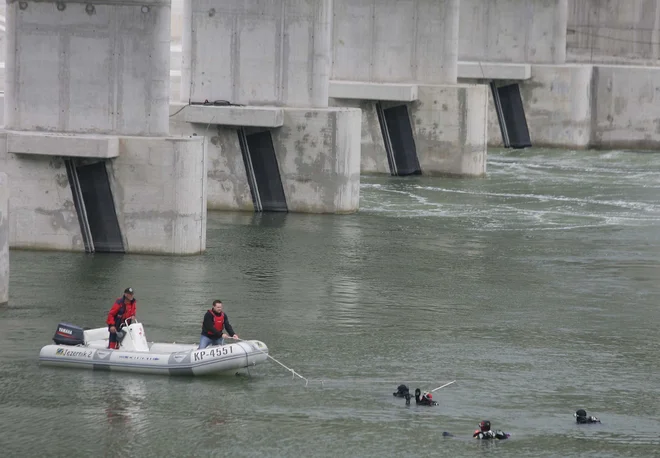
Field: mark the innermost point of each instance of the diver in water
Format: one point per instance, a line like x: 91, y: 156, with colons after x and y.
x: 484, y: 432
x: 582, y: 417
x: 425, y: 399
x: 402, y: 391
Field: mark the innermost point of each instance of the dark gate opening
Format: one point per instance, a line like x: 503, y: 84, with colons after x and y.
x: 511, y: 116
x: 399, y: 140
x: 92, y: 196
x: 263, y: 171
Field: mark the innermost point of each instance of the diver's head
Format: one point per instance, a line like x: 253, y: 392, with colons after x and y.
x: 428, y: 396
x: 580, y: 415
x: 484, y: 425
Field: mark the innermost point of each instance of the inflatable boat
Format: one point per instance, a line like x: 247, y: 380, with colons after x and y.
x: 88, y: 349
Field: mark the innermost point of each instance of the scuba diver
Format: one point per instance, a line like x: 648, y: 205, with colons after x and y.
x: 402, y: 391
x: 582, y: 418
x: 484, y: 432
x: 425, y: 399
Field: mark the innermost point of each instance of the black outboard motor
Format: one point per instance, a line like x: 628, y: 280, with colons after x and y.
x: 69, y: 334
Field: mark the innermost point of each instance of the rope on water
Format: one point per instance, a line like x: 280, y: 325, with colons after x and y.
x: 446, y: 384
x: 293, y: 372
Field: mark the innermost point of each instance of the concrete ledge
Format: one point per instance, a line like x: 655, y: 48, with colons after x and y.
x: 232, y: 115
x: 494, y: 71
x: 59, y: 144
x: 357, y: 90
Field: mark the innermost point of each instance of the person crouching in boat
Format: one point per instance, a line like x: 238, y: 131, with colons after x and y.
x: 425, y: 399
x: 215, y: 320
x: 582, y: 417
x: 122, y: 311
x: 484, y: 432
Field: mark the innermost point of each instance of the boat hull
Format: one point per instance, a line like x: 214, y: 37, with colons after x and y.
x: 211, y: 360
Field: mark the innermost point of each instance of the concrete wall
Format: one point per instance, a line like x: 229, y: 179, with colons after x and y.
x: 227, y: 184
x: 373, y: 156
x: 158, y: 185
x: 626, y: 107
x: 395, y: 40
x: 557, y: 103
x: 95, y: 67
x: 257, y: 53
x: 614, y: 31
x: 530, y: 31
x: 43, y: 215
x: 318, y: 153
x: 590, y: 106
x: 176, y: 21
x: 449, y: 124
x: 4, y: 238
x: 449, y: 127
x: 160, y: 194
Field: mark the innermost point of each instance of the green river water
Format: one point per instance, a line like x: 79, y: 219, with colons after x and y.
x: 536, y: 288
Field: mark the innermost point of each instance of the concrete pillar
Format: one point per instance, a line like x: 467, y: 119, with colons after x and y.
x: 257, y: 53
x: 614, y: 32
x: 533, y: 31
x: 389, y: 52
x: 264, y: 55
x: 93, y: 67
x: 88, y: 83
x: 390, y: 41
x: 4, y: 239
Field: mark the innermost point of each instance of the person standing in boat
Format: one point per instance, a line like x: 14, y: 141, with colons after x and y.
x: 215, y: 320
x: 123, y: 309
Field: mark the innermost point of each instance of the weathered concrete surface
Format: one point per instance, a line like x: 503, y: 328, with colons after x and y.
x: 227, y: 184
x: 531, y: 31
x: 318, y: 153
x: 358, y: 90
x: 557, y: 101
x: 159, y: 187
x: 4, y: 238
x: 96, y: 67
x: 257, y: 53
x: 373, y: 154
x: 558, y: 106
x: 394, y: 41
x: 234, y: 116
x: 626, y: 107
x: 493, y: 71
x: 449, y: 125
x: 590, y: 106
x: 614, y: 31
x: 42, y: 214
x: 58, y: 144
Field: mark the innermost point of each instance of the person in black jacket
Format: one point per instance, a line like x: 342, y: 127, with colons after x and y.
x: 215, y: 320
x: 582, y: 417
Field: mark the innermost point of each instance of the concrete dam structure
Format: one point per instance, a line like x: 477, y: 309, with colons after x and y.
x: 126, y: 120
x: 86, y: 142
x: 4, y: 239
x: 587, y: 71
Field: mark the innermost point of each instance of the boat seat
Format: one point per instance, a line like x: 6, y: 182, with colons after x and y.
x: 96, y: 334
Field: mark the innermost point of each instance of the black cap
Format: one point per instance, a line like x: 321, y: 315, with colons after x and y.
x: 128, y: 291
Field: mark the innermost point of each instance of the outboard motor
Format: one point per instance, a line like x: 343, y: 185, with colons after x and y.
x: 69, y: 334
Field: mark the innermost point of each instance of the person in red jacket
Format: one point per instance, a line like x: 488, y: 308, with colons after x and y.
x: 122, y: 310
x: 214, y: 322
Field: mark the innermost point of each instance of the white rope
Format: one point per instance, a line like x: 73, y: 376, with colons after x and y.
x: 293, y: 372
x: 446, y: 384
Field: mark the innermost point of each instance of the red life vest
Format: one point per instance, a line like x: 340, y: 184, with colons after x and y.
x: 218, y: 321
